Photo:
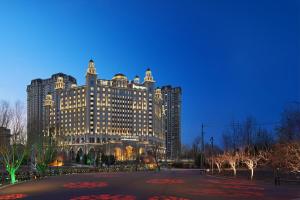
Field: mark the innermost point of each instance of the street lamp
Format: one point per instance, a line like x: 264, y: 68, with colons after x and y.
x: 212, y: 149
x: 108, y: 154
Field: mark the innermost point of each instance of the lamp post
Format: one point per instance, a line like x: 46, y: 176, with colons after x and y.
x: 108, y: 154
x: 212, y: 159
x: 202, y: 146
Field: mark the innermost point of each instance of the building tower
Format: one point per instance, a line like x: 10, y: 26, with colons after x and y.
x: 149, y: 80
x: 172, y: 108
x: 91, y: 99
x: 36, y: 94
x: 48, y: 126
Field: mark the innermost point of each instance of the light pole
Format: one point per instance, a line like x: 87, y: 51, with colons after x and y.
x: 212, y: 155
x: 202, y: 146
x: 108, y: 154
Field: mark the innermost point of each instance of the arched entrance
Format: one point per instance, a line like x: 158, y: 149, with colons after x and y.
x: 118, y: 153
x: 141, y: 151
x: 71, y: 155
x: 79, y: 155
x: 91, y: 157
x: 129, y: 153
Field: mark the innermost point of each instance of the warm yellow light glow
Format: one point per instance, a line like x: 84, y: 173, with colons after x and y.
x: 129, y: 152
x: 118, y: 153
x: 58, y: 162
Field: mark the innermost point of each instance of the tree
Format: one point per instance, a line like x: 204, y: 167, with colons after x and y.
x: 219, y: 160
x: 186, y: 152
x: 293, y: 163
x: 18, y: 122
x: 263, y: 140
x: 289, y: 129
x: 45, y: 154
x: 155, y: 152
x: 251, y: 160
x: 12, y: 157
x: 232, y: 136
x: 196, y: 151
x: 286, y: 156
x: 232, y: 159
x: 13, y: 154
x: 248, y: 132
x: 5, y: 114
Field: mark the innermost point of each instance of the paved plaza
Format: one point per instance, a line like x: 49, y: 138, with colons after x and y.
x: 164, y: 185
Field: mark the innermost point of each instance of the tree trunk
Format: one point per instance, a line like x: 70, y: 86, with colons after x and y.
x: 12, y: 177
x: 252, y: 172
x: 219, y: 168
x: 234, y: 171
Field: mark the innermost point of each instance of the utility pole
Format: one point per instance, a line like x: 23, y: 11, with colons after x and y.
x: 108, y: 154
x: 212, y: 154
x: 236, y: 134
x: 202, y: 145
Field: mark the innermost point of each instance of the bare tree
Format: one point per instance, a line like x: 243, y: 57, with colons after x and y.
x: 232, y: 136
x: 263, y: 139
x: 13, y: 154
x: 232, y: 159
x: 251, y: 160
x: 12, y: 157
x: 248, y: 132
x: 289, y: 129
x: 5, y: 114
x: 219, y: 161
x: 196, y: 146
x: 155, y: 152
x: 227, y: 141
x: 18, y: 123
x: 196, y: 151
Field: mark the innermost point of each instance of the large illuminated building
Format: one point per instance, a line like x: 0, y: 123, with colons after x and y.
x: 36, y: 94
x: 118, y: 117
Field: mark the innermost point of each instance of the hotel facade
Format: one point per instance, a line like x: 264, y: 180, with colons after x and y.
x: 117, y: 117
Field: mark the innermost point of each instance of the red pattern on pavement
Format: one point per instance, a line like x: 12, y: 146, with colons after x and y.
x: 80, y: 185
x: 227, y: 189
x: 105, y: 197
x: 167, y: 198
x: 165, y: 181
x: 12, y: 196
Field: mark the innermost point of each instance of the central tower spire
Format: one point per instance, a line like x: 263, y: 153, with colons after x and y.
x: 91, y: 68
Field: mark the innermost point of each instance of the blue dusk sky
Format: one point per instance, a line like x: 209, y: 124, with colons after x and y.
x: 231, y: 58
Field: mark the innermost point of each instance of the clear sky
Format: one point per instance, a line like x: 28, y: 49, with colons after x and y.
x: 231, y: 58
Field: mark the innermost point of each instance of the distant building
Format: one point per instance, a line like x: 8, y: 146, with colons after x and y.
x: 36, y: 94
x: 119, y: 117
x: 4, y: 136
x: 172, y: 107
